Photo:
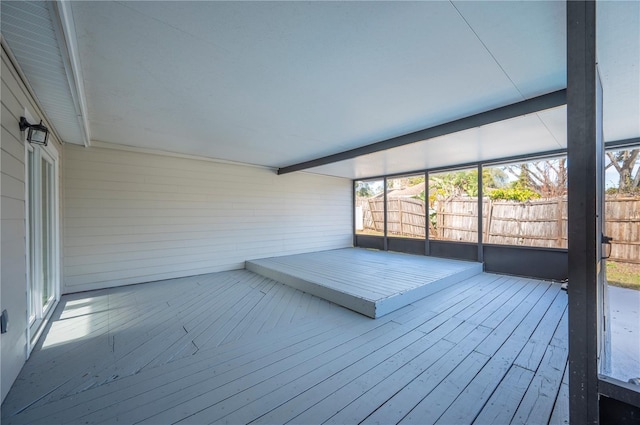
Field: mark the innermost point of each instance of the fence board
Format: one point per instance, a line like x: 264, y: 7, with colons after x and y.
x: 539, y: 223
x: 622, y: 216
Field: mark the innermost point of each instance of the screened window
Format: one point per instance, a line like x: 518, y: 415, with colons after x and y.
x: 369, y: 203
x: 406, y: 217
x: 525, y: 204
x: 453, y: 206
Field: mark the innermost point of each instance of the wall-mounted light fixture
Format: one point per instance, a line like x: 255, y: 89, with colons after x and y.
x: 38, y: 134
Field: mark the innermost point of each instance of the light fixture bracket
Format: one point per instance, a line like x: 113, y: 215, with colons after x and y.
x: 37, y: 134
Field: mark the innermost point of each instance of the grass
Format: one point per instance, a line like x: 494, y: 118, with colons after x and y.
x: 625, y: 275
x: 370, y: 232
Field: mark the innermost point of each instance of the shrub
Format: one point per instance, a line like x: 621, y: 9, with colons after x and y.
x: 514, y: 194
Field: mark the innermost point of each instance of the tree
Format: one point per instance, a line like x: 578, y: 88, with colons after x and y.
x: 626, y: 164
x: 415, y: 180
x: 548, y: 178
x: 364, y: 190
x: 464, y: 183
x: 456, y: 183
x: 514, y: 194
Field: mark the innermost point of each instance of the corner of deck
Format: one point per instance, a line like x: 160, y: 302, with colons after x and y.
x: 348, y: 277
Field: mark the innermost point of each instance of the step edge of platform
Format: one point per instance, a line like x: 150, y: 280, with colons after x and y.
x: 352, y: 302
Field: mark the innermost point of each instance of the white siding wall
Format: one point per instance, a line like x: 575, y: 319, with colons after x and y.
x: 13, y: 290
x: 135, y: 217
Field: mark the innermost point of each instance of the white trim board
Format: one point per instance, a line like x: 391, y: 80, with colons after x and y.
x: 127, y: 148
x: 66, y: 34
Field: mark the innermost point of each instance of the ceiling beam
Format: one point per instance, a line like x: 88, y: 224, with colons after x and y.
x: 529, y: 106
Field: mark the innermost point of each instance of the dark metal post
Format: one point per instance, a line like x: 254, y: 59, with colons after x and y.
x: 427, y: 221
x: 582, y: 160
x: 386, y: 244
x: 480, y: 224
x: 353, y: 211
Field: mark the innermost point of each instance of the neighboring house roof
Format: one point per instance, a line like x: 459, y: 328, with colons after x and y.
x: 407, y: 192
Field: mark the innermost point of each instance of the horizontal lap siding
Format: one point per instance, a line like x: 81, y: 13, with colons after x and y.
x: 15, y: 97
x: 134, y: 217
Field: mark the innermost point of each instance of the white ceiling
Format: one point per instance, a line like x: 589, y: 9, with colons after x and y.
x: 618, y: 40
x: 540, y: 132
x: 276, y: 83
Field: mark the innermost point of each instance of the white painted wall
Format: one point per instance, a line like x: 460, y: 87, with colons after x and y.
x: 135, y: 216
x: 15, y: 97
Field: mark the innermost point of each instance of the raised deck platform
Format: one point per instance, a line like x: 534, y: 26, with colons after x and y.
x: 354, y: 278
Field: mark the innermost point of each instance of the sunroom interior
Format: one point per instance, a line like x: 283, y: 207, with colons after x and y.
x: 172, y: 253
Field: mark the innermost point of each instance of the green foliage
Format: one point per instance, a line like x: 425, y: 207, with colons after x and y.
x: 515, y: 193
x: 547, y: 177
x: 494, y: 178
x: 460, y: 183
x: 624, y: 191
x: 415, y: 180
x: 456, y: 183
x: 364, y: 189
x: 524, y: 181
x: 420, y: 196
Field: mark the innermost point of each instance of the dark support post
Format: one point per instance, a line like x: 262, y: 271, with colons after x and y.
x: 582, y: 160
x: 386, y: 244
x: 353, y: 211
x: 427, y: 219
x: 480, y: 226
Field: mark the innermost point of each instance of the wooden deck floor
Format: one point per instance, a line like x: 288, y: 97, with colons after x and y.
x: 373, y: 283
x: 235, y: 347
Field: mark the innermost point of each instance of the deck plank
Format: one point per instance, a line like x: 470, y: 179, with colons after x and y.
x: 560, y: 413
x: 232, y: 357
x: 504, y: 330
x: 203, y: 398
x: 338, y: 390
x: 390, y: 400
x: 82, y: 351
x: 473, y: 398
x: 516, y: 289
x: 533, y: 352
x: 489, y: 348
x: 133, y: 351
x: 275, y: 392
x: 538, y: 402
x: 442, y: 395
x: 451, y: 303
x: 504, y: 401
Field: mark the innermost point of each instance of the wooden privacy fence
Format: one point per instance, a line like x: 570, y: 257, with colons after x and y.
x: 538, y: 223
x: 541, y: 222
x: 405, y: 216
x: 622, y: 216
